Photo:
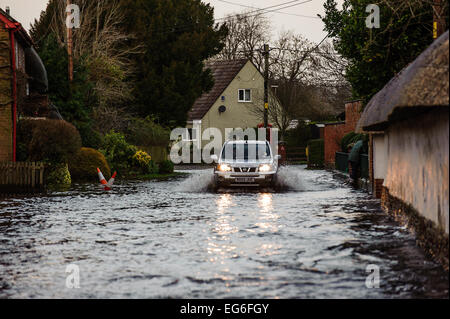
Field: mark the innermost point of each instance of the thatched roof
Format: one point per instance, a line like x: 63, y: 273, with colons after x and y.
x: 418, y: 87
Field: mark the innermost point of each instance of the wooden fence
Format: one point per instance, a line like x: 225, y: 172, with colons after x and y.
x: 21, y: 177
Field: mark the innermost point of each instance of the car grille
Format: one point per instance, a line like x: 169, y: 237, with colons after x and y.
x: 245, y: 169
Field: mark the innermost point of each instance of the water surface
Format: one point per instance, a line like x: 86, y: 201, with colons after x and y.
x: 174, y: 239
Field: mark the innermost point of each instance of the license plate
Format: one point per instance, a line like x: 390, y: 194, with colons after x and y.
x: 245, y: 180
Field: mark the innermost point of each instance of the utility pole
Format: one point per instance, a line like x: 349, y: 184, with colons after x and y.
x: 70, y: 46
x: 438, y: 19
x: 266, y: 86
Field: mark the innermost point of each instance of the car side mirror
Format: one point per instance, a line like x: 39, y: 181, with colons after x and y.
x: 215, y: 158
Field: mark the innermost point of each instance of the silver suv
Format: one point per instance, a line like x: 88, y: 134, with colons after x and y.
x: 246, y: 164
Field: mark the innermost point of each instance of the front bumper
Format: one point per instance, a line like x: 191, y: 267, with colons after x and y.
x: 245, y: 180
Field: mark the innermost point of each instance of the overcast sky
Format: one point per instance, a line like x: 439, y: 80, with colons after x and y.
x: 25, y: 11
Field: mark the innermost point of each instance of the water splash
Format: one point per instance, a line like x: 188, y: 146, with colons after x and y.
x: 199, y: 181
x: 290, y: 178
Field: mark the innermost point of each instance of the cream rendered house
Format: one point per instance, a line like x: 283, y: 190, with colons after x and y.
x: 235, y: 101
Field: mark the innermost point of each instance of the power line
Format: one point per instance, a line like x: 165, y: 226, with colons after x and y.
x: 270, y: 7
x: 286, y: 13
x: 250, y: 14
x: 277, y: 10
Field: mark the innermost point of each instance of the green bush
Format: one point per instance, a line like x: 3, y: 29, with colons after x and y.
x: 23, y: 139
x: 118, y: 152
x: 352, y: 138
x: 316, y: 153
x: 159, y: 153
x: 57, y: 177
x: 83, y: 166
x: 143, y: 162
x: 154, y: 168
x: 145, y: 132
x: 166, y: 167
x: 53, y: 141
x: 299, y: 136
x: 89, y: 137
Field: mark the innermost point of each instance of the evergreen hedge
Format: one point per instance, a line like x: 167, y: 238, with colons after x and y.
x: 316, y: 153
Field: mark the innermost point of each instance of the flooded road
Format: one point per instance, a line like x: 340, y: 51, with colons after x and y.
x: 175, y: 239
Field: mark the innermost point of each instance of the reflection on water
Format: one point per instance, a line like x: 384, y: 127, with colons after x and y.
x: 267, y: 218
x: 175, y: 239
x: 219, y: 247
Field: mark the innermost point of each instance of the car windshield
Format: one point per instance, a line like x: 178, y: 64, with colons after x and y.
x: 247, y: 151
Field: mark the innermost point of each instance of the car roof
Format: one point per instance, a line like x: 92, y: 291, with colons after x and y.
x: 247, y: 142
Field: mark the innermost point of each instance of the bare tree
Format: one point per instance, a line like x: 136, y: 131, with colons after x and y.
x: 100, y: 40
x: 309, y: 79
x: 246, y: 36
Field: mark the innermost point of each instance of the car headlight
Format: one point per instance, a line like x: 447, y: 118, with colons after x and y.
x: 224, y: 168
x: 264, y: 168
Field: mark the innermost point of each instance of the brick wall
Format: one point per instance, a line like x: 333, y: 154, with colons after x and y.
x: 6, y: 140
x: 378, y: 188
x: 334, y: 132
x: 332, y: 136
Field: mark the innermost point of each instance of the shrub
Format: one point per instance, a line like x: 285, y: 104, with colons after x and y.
x: 352, y: 138
x: 141, y: 160
x: 24, y: 136
x: 54, y: 141
x: 89, y: 137
x: 145, y: 132
x: 316, y: 153
x: 166, y: 167
x: 153, y: 168
x: 159, y: 153
x: 83, y: 166
x: 57, y: 177
x: 118, y: 152
x: 299, y: 136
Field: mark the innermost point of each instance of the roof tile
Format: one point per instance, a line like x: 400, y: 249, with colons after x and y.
x: 224, y: 72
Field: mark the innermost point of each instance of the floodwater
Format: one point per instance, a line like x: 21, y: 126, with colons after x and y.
x: 175, y: 239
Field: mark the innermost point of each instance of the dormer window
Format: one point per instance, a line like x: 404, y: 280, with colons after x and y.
x: 245, y: 95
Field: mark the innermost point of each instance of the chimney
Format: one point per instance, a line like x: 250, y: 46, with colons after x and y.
x: 8, y: 10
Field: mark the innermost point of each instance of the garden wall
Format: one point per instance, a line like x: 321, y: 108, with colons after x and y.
x: 334, y: 132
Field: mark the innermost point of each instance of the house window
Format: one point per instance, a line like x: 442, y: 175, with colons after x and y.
x: 245, y: 95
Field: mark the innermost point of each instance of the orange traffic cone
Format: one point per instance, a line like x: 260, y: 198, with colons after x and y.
x: 106, y: 185
x: 101, y: 177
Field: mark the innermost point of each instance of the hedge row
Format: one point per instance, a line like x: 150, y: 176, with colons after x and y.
x: 316, y: 153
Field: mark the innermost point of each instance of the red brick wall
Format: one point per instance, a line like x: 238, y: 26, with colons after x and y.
x: 6, y: 140
x: 378, y: 188
x: 333, y: 133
